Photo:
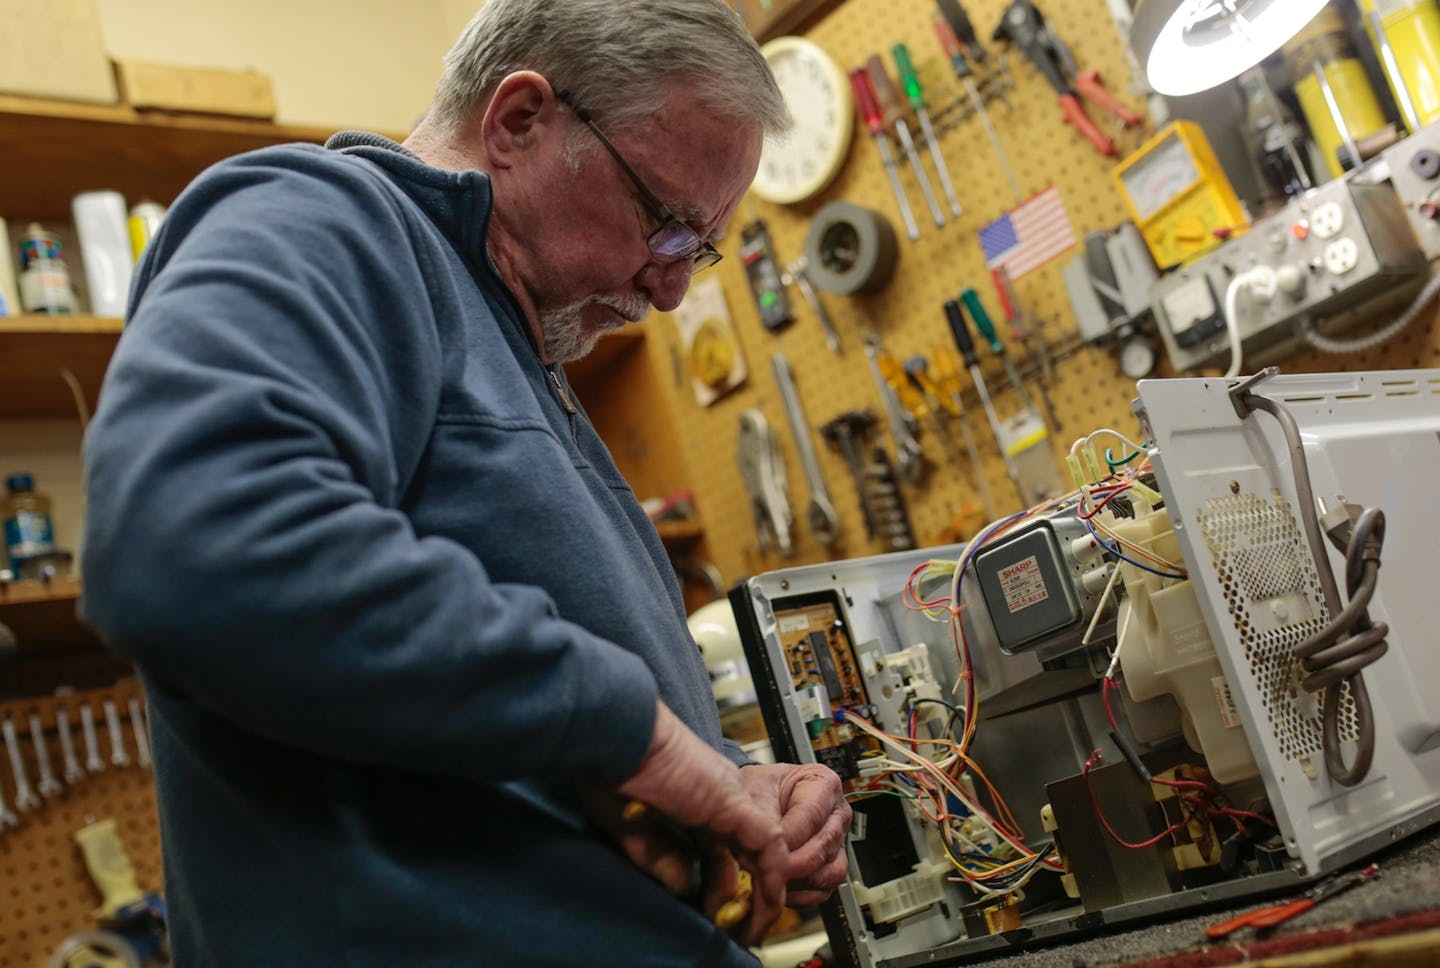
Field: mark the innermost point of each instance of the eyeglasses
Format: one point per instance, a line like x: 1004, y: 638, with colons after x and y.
x: 673, y: 241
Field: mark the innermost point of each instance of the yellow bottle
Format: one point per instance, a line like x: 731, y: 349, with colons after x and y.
x: 1410, y: 29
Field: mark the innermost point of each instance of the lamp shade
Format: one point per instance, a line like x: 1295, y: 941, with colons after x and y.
x: 1188, y: 46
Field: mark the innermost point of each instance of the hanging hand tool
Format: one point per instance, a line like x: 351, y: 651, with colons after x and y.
x: 1274, y: 915
x: 763, y: 470
x: 893, y: 110
x: 986, y: 329
x: 951, y: 43
x: 819, y: 512
x: 881, y: 504
x: 916, y: 95
x: 1024, y: 26
x: 935, y: 396
x: 1032, y: 340
x: 795, y: 276
x: 909, y: 455
x: 875, y: 121
x: 966, y: 345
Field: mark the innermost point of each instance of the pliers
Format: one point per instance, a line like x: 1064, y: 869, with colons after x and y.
x: 1025, y: 27
x: 1274, y: 915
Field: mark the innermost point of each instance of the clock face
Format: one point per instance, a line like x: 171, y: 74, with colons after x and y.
x: 799, y: 163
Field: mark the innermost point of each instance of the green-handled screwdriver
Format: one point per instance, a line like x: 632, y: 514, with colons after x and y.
x: 951, y: 45
x: 913, y: 92
x: 986, y: 329
x: 966, y: 346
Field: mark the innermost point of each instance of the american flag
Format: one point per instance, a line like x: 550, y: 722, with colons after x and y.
x: 1030, y: 236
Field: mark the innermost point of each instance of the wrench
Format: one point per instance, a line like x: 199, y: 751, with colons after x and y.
x: 824, y: 522
x: 142, y: 737
x: 48, y: 785
x: 909, y: 456
x: 25, y: 798
x: 73, y: 773
x: 118, y: 756
x: 7, y: 819
x: 93, y: 763
x: 795, y: 275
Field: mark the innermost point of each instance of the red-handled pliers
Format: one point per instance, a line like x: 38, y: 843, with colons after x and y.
x: 1273, y: 915
x: 1024, y: 26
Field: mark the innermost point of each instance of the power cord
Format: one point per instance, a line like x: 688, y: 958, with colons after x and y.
x: 1335, y: 655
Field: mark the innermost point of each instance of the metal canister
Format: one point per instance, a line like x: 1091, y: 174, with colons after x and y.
x: 144, y: 222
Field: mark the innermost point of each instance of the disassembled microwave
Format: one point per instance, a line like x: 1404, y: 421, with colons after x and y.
x: 1207, y: 672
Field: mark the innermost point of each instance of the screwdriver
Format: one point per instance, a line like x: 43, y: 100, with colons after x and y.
x: 966, y: 345
x: 911, y: 82
x: 986, y: 329
x: 1035, y: 349
x: 870, y: 112
x: 893, y: 108
x: 948, y: 370
x: 951, y: 45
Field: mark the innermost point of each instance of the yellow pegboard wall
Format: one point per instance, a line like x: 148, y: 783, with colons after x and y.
x: 1088, y: 392
x: 47, y: 892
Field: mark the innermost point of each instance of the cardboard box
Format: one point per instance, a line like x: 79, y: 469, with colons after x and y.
x: 54, y: 49
x: 207, y: 90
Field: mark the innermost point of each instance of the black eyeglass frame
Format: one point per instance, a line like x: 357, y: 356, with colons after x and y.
x: 703, y: 254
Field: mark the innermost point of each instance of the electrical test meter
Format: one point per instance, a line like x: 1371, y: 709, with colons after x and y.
x: 1178, y: 194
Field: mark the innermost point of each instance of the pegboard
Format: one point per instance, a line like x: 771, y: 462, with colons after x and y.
x: 47, y: 892
x: 1088, y: 391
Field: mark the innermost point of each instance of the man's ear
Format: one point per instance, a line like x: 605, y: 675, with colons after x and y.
x: 522, y: 115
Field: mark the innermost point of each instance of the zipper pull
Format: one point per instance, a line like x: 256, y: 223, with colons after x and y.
x: 560, y: 390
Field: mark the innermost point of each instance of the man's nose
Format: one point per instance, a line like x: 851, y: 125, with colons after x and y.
x: 666, y: 284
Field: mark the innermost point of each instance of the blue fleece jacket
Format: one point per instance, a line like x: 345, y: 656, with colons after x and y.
x: 390, y: 598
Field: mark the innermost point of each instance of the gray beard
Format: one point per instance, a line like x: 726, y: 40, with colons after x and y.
x: 567, y: 339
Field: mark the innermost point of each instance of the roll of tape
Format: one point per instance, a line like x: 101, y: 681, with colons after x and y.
x: 850, y: 249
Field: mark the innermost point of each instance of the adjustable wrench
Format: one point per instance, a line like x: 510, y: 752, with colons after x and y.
x: 25, y: 798
x: 909, y: 455
x: 824, y: 522
x: 48, y: 785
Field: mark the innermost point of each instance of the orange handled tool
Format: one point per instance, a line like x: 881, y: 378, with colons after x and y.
x: 1274, y: 915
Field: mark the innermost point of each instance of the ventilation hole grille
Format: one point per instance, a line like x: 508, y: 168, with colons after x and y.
x: 1275, y: 602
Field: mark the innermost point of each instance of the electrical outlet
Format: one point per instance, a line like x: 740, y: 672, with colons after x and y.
x: 1342, y: 255
x: 1327, y: 220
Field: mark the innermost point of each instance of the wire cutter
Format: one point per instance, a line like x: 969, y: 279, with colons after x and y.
x: 1274, y: 915
x: 1024, y: 26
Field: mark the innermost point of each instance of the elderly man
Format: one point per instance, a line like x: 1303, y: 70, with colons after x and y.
x: 408, y: 639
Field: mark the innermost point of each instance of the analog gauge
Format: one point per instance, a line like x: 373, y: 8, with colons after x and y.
x: 1138, y: 357
x: 800, y: 162
x: 1163, y: 175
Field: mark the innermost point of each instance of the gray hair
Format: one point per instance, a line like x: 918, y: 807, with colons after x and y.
x: 620, y: 59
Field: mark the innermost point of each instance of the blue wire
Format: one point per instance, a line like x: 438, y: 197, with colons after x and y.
x: 1123, y: 557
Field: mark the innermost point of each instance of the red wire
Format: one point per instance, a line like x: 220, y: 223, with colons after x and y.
x: 1105, y: 684
x: 1095, y: 805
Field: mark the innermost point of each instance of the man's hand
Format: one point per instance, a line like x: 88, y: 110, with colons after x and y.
x: 815, y: 818
x: 692, y: 784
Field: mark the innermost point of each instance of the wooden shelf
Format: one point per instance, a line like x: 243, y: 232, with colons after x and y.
x: 36, y: 351
x: 679, y: 533
x: 57, y: 149
x: 42, y: 616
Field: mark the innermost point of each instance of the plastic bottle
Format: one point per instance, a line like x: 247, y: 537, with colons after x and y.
x: 44, y: 280
x: 1277, y: 142
x: 29, y: 531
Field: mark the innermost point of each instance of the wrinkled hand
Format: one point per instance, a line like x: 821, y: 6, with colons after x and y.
x: 815, y: 819
x: 687, y: 781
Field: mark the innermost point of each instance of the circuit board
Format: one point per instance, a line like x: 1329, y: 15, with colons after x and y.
x: 820, y: 657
